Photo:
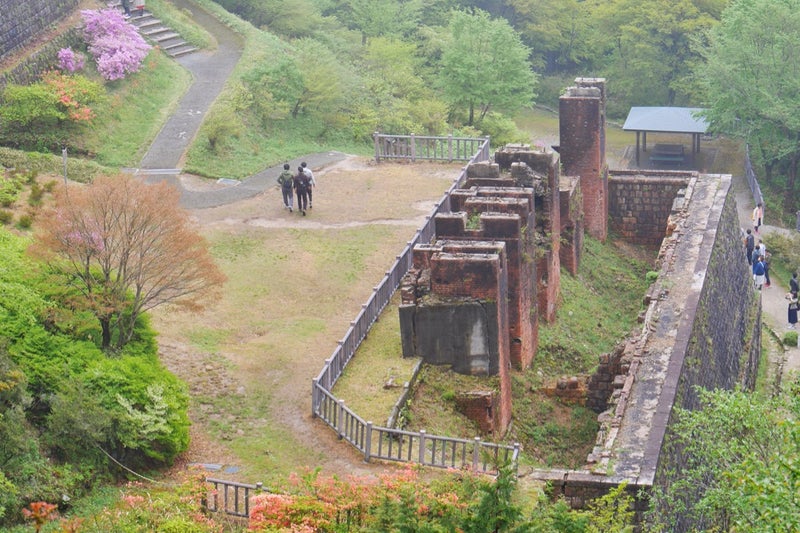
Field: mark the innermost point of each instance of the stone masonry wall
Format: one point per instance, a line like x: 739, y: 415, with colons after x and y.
x: 21, y: 21
x: 640, y: 205
x: 724, y: 343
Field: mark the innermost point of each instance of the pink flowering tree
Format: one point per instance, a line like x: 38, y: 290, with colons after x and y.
x: 116, y: 45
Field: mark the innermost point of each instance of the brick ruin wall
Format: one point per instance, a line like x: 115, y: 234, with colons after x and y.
x: 582, y: 149
x: 453, y: 312
x: 548, y: 210
x: 640, y: 204
x: 21, y: 22
x: 718, y: 348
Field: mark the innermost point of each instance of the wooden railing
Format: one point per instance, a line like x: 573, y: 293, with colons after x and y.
x: 230, y: 497
x: 388, y: 443
x: 752, y: 180
x: 427, y: 148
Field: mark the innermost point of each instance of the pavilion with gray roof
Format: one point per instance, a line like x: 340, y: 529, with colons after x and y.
x: 665, y: 120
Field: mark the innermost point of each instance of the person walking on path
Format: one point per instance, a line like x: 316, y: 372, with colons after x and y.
x: 311, y: 183
x: 749, y: 246
x: 762, y: 252
x: 758, y: 216
x: 794, y: 286
x: 126, y: 7
x: 286, y: 181
x: 301, y: 188
x: 792, y: 313
x: 758, y: 272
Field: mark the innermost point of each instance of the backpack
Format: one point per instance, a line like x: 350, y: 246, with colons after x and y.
x: 285, y: 179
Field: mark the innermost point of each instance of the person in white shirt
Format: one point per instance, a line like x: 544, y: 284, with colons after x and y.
x: 312, y: 183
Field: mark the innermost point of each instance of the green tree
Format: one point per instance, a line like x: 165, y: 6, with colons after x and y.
x: 740, y: 467
x: 557, y: 30
x: 647, y: 45
x: 326, y: 84
x: 485, y: 65
x: 753, y: 83
x: 375, y: 18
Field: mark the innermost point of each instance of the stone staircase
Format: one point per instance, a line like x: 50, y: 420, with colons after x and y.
x: 157, y: 33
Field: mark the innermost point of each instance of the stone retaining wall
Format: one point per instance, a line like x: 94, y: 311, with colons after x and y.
x: 20, y: 23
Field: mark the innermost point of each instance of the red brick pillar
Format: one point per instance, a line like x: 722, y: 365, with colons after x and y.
x: 582, y: 149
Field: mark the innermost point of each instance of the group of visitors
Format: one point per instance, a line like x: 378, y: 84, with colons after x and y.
x: 758, y: 258
x: 302, y: 183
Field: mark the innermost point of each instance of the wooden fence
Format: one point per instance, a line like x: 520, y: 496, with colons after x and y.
x: 391, y: 444
x: 427, y: 148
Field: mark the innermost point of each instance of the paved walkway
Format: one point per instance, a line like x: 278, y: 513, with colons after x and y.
x: 773, y: 301
x: 210, y: 70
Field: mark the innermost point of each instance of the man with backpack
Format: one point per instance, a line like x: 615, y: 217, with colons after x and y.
x: 301, y: 186
x: 311, y: 184
x: 286, y: 181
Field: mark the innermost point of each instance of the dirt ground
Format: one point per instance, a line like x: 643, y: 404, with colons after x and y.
x: 234, y: 354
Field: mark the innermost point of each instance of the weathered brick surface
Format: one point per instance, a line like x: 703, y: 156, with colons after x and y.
x: 571, y: 207
x: 462, y: 318
x: 481, y: 407
x: 582, y: 149
x: 503, y: 219
x: 640, y: 203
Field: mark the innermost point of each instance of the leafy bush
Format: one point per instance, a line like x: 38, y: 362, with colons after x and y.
x: 8, y: 496
x: 223, y: 124
x: 160, y: 508
x: 501, y: 129
x: 38, y: 116
x: 148, y: 406
x: 790, y: 338
x: 77, y: 169
x: 6, y: 216
x: 25, y: 221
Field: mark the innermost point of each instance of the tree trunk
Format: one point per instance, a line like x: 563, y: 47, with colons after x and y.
x: 789, y: 200
x: 105, y: 326
x: 471, y: 114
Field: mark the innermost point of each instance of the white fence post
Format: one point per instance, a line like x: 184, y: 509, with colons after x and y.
x: 422, y: 447
x: 476, y: 454
x: 413, y: 147
x: 376, y: 140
